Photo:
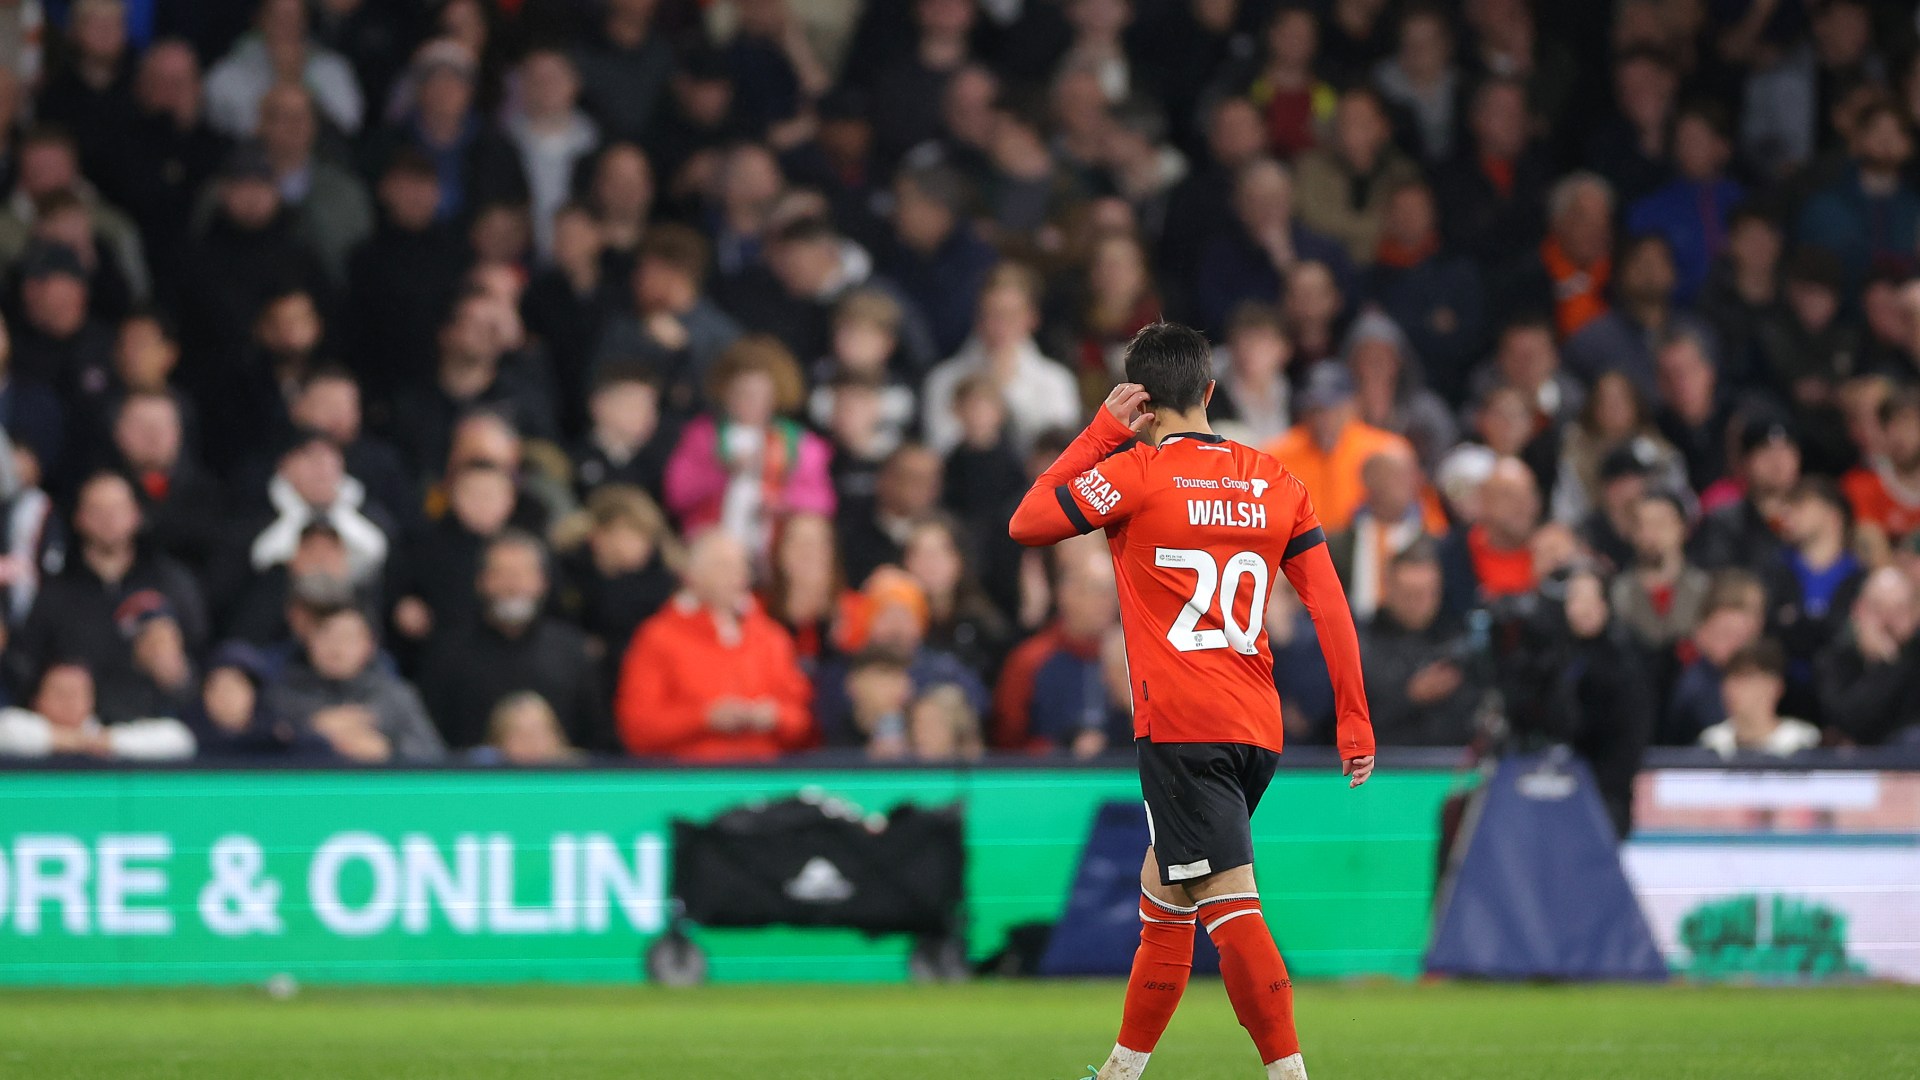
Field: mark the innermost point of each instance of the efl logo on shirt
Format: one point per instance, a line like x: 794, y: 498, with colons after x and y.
x: 1100, y: 495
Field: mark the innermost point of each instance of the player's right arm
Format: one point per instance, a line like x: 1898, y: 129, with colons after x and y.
x: 1074, y: 496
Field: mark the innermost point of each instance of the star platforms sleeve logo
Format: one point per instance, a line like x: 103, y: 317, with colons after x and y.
x: 1100, y: 495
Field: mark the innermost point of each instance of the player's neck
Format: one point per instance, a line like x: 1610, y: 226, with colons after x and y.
x: 1167, y: 422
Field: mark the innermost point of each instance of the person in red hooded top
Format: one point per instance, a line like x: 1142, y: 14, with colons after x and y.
x: 711, y: 676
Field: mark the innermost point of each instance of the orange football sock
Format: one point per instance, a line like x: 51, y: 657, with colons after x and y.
x: 1256, y: 977
x: 1161, y: 966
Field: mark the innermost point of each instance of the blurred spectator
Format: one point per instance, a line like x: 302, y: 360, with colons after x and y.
x: 514, y: 646
x: 672, y: 324
x: 314, y: 577
x: 181, y: 505
x: 332, y: 211
x: 230, y: 722
x: 402, y: 280
x: 865, y: 345
x: 712, y: 677
x: 309, y: 485
x: 1885, y: 490
x: 805, y: 591
x: 93, y: 608
x: 61, y: 722
x: 57, y: 343
x: 1741, y: 532
x: 340, y: 671
x: 47, y: 171
x: 1691, y: 212
x: 1389, y: 389
x: 1568, y: 277
x: 891, y: 616
x: 1526, y: 358
x: 168, y: 155
x: 280, y: 50
x: 748, y: 465
x: 1623, y: 339
x: 1234, y: 140
x: 1495, y: 187
x: 1330, y: 445
x: 476, y: 165
x: 807, y: 270
x: 1387, y: 523
x: 1630, y: 148
x: 1085, y: 612
x: 1489, y: 558
x: 625, y: 443
x: 624, y: 68
x: 1296, y: 103
x: 1870, y: 675
x: 960, y: 618
x: 568, y: 302
x: 1119, y: 299
x: 1039, y: 393
x: 1250, y: 254
x: 1694, y: 410
x: 523, y: 731
x: 1871, y: 211
x: 1313, y: 312
x: 434, y: 580
x: 30, y: 411
x: 1615, y: 418
x: 1806, y: 347
x: 1422, y: 79
x: 89, y: 90
x: 1732, y: 619
x: 1816, y: 577
x: 1659, y: 597
x: 1420, y: 681
x: 1436, y: 299
x: 1343, y: 187
x: 936, y: 257
x: 1754, y: 680
x: 1252, y: 394
x: 1742, y: 289
x: 740, y: 206
x: 477, y: 370
x: 552, y: 136
x: 328, y: 401
x: 1592, y: 693
x: 622, y: 571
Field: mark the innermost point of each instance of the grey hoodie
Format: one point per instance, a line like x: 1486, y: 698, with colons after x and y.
x: 300, y: 692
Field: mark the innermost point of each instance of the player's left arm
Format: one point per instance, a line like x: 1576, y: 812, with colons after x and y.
x: 1310, y: 569
x: 1085, y: 489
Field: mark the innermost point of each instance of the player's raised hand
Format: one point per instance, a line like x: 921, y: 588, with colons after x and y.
x: 1127, y: 403
x: 1357, y: 769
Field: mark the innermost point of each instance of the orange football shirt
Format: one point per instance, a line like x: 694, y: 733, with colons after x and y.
x: 1200, y: 529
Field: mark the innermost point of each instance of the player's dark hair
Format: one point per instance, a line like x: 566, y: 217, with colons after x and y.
x: 1173, y: 362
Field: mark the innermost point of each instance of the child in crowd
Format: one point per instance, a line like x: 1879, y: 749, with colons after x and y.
x: 1751, y: 686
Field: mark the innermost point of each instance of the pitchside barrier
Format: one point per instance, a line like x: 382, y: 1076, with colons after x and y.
x: 492, y: 876
x: 1808, y: 871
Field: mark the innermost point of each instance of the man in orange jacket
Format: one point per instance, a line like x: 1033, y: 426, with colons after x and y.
x: 712, y: 677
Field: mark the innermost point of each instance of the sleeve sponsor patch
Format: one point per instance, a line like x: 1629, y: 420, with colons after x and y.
x: 1098, y: 493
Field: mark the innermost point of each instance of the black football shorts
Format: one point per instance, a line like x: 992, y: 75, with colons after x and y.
x: 1200, y: 802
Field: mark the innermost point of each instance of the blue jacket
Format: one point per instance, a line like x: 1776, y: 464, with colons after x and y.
x: 1070, y: 696
x: 1857, y: 227
x: 1233, y: 269
x: 1693, y: 218
x: 944, y: 284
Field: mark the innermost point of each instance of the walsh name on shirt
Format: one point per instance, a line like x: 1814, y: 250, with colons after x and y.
x: 1242, y: 515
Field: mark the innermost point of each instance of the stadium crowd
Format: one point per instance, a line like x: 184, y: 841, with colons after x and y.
x: 514, y: 380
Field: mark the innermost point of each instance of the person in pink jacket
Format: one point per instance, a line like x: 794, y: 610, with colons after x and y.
x: 747, y: 465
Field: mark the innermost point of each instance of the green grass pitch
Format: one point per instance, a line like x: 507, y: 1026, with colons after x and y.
x: 1043, y: 1031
